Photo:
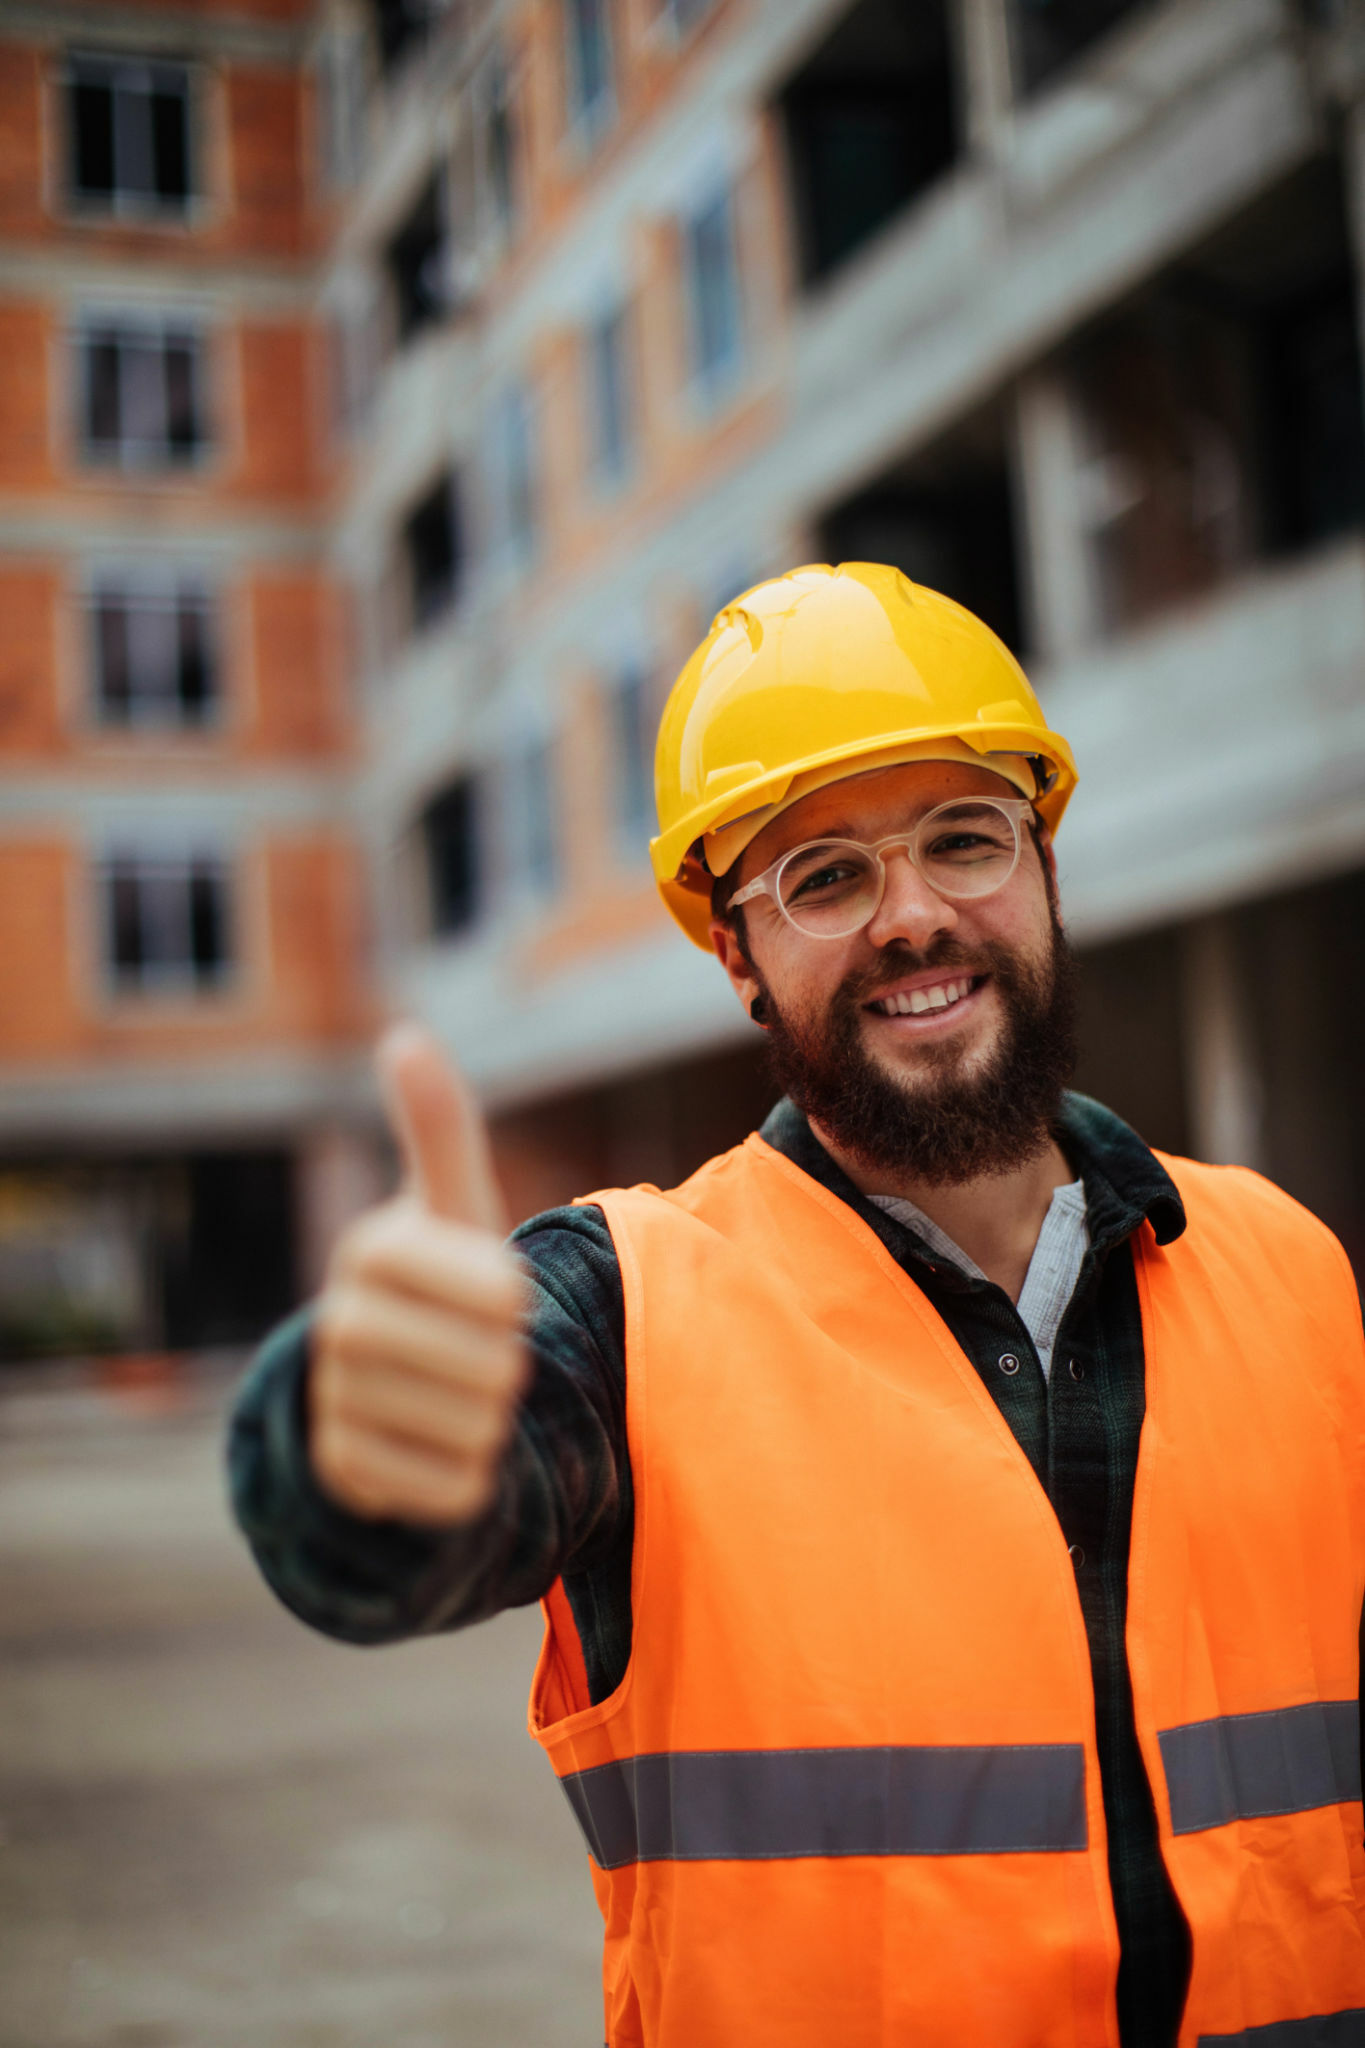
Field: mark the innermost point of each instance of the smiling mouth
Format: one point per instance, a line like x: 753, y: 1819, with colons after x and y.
x: 932, y: 996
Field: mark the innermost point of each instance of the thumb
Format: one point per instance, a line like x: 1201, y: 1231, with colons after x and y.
x: 438, y: 1124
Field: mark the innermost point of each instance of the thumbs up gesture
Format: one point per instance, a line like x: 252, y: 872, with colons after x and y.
x: 418, y: 1357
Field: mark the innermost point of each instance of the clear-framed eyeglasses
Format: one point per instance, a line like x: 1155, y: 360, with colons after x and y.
x: 828, y: 888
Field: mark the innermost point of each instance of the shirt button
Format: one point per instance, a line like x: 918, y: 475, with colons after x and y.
x: 1077, y: 1369
x: 1076, y: 1554
x: 1009, y: 1363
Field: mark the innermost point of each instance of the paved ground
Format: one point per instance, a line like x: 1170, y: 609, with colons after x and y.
x: 220, y: 1831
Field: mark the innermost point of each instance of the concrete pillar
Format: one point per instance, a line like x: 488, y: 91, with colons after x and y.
x: 1060, y: 587
x: 983, y: 42
x: 1222, y: 1072
x: 340, y: 1172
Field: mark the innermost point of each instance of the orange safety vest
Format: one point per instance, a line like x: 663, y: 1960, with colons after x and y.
x: 847, y: 1794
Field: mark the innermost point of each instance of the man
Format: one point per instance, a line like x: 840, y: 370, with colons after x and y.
x: 950, y: 1517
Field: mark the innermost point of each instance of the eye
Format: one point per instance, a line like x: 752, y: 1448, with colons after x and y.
x: 966, y: 842
x: 834, y: 875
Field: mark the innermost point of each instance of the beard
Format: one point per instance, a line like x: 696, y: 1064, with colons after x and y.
x: 944, y: 1125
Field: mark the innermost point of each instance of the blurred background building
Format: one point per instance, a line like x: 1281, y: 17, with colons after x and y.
x: 394, y: 391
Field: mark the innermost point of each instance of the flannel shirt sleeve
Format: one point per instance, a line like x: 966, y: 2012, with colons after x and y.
x: 563, y: 1497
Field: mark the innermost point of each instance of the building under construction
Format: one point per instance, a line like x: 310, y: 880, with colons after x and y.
x: 395, y: 391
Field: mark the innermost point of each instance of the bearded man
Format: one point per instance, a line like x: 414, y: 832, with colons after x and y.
x: 949, y: 1515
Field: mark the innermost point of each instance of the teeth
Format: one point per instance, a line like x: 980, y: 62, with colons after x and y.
x: 940, y: 997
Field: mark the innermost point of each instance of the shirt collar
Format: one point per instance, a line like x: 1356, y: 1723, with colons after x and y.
x: 1125, y: 1183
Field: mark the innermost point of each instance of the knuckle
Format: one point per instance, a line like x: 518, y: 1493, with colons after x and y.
x: 339, y: 1320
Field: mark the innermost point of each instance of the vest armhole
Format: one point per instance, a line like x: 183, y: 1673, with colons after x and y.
x: 560, y: 1688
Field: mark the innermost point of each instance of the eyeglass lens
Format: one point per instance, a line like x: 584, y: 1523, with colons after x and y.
x: 832, y: 887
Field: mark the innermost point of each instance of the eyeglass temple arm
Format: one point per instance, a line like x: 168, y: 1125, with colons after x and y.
x: 749, y: 891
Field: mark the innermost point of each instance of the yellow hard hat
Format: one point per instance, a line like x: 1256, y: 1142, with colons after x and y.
x: 814, y: 671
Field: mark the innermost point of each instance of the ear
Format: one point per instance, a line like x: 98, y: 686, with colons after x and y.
x: 735, y: 961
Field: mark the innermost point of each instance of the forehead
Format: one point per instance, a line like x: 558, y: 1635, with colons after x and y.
x: 870, y: 806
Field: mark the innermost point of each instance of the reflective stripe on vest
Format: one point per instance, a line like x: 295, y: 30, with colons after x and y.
x: 1244, y: 1766
x: 1324, y: 2030
x: 848, y: 1791
x: 684, y: 1806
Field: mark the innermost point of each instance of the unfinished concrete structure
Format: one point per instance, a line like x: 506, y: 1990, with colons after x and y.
x: 1057, y: 306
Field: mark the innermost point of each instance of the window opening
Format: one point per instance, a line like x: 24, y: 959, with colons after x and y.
x: 872, y: 123
x: 143, y: 396
x: 534, y: 820
x: 714, y: 290
x: 513, y: 481
x: 417, y: 260
x: 1223, y: 408
x: 501, y: 145
x: 1049, y: 34
x: 401, y: 26
x: 633, y: 731
x: 129, y: 122
x: 432, y: 543
x: 154, y: 655
x: 592, y: 100
x: 167, y: 921
x: 610, y: 397
x: 946, y: 517
x: 450, y: 839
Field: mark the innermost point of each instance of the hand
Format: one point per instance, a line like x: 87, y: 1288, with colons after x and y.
x: 418, y: 1357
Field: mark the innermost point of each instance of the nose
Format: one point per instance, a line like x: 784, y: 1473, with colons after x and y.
x: 909, y: 908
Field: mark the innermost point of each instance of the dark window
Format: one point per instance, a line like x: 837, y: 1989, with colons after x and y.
x: 167, y: 921
x: 590, y: 83
x: 226, y: 1255
x: 1131, y: 1054
x: 1223, y: 408
x: 713, y: 278
x: 450, y: 838
x: 432, y: 543
x: 947, y: 519
x: 633, y: 723
x: 609, y: 362
x: 143, y: 398
x: 401, y: 26
x: 872, y: 122
x: 129, y: 134
x: 1050, y: 33
x: 154, y: 655
x: 1316, y: 432
x: 501, y: 144
x: 417, y: 260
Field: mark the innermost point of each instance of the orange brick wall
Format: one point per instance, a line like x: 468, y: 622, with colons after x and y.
x: 39, y: 1016
x: 297, y: 657
x: 25, y: 448
x: 279, y: 414
x: 21, y: 141
x: 315, y: 889
x: 268, y: 211
x: 29, y: 720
